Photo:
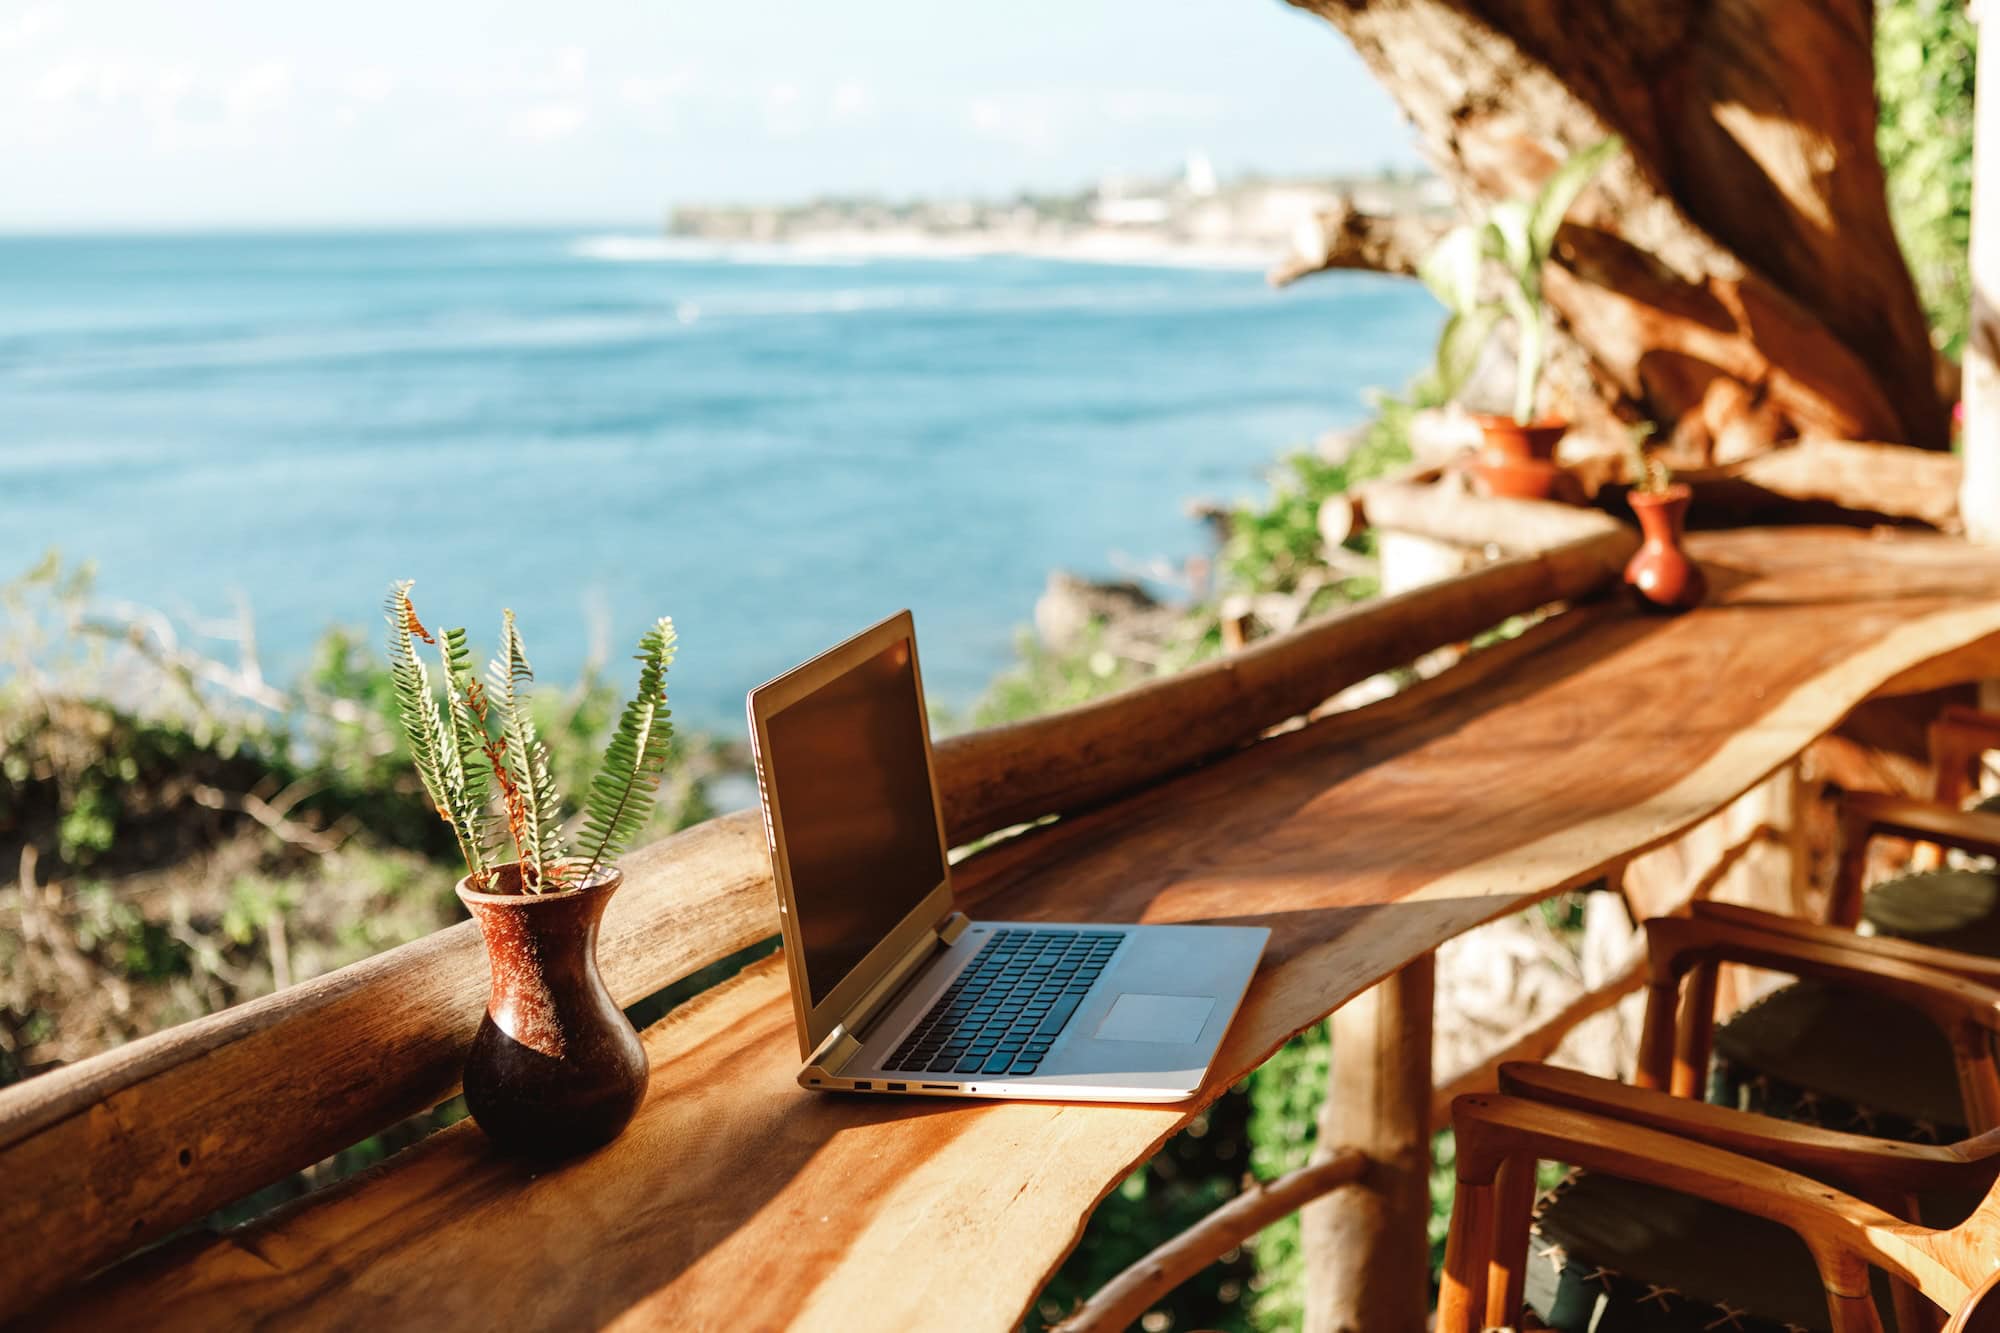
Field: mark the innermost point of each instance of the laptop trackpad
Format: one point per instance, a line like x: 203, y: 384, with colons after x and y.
x: 1177, y: 1019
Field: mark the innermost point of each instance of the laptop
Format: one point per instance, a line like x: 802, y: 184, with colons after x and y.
x: 894, y: 990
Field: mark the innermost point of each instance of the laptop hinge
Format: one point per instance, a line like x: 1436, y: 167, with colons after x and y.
x: 844, y: 1041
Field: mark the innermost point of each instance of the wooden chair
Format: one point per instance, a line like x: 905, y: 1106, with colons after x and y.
x: 1835, y: 1056
x: 1628, y: 1243
x: 1803, y: 1223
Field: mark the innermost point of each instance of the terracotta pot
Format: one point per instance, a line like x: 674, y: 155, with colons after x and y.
x: 1523, y: 480
x: 1516, y: 461
x: 1660, y: 575
x: 1503, y: 439
x: 556, y: 1068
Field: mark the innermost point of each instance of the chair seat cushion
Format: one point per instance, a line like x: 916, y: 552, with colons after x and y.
x: 1842, y: 1058
x: 1615, y: 1256
x: 1845, y: 1059
x: 1953, y: 909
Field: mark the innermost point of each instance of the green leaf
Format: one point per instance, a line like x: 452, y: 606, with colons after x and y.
x: 1506, y: 239
x: 1460, y: 344
x: 1560, y: 190
x: 1451, y: 269
x: 621, y: 796
x: 534, y: 808
x: 433, y: 748
x: 1527, y: 316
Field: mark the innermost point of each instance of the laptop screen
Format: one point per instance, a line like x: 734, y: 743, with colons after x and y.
x: 851, y: 773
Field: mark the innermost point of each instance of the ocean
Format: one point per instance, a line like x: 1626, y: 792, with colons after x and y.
x: 595, y: 429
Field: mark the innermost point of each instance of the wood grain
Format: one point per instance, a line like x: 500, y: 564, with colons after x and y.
x: 739, y: 1201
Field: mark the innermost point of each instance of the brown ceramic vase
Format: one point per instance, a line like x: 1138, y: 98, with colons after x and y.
x: 1660, y: 575
x: 1518, y: 461
x: 556, y: 1068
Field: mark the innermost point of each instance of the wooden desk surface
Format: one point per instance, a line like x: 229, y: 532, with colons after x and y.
x: 738, y: 1201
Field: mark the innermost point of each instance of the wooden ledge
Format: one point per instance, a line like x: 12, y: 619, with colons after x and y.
x: 737, y: 1200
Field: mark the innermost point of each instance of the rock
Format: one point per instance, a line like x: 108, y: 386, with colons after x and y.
x: 1069, y: 604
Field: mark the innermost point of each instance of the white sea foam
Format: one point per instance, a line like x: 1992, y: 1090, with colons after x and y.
x: 850, y: 249
x: 627, y: 249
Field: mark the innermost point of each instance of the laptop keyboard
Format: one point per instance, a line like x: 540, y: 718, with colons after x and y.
x: 1003, y: 1012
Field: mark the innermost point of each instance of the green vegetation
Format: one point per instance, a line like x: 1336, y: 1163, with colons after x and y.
x: 1924, y: 83
x: 1514, y: 238
x: 483, y: 739
x: 182, y: 835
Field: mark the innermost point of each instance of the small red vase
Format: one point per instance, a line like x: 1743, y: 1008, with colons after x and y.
x: 556, y: 1068
x: 1517, y: 461
x: 1660, y: 575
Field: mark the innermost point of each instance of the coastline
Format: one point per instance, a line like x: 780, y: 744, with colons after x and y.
x: 1097, y: 245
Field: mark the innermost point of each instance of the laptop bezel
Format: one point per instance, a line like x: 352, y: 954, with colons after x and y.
x: 816, y: 1022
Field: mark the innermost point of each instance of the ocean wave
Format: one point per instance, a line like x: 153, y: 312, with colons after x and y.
x: 627, y: 249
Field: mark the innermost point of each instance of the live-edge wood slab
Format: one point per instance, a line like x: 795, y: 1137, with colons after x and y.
x: 738, y: 1201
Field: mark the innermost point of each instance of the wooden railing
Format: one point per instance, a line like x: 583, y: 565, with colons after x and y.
x: 117, y: 1151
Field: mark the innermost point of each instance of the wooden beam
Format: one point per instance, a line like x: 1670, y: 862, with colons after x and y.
x: 1367, y: 1249
x: 1344, y: 237
x: 1891, y: 479
x: 117, y: 1151
x: 1120, y: 1303
x: 1087, y: 755
x: 1446, y: 514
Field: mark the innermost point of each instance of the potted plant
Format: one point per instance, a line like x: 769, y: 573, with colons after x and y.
x: 556, y: 1067
x: 1660, y: 574
x: 1515, y: 239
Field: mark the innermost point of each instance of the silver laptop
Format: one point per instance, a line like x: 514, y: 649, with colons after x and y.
x: 896, y: 991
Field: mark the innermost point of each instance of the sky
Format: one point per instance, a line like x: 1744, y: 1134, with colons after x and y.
x: 133, y: 114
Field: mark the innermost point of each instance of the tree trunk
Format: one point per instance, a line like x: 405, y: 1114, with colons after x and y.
x: 1979, y: 494
x: 1738, y: 264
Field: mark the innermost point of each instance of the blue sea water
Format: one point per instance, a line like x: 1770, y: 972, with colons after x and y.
x: 776, y: 450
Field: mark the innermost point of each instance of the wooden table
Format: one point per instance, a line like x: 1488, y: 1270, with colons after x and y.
x: 738, y: 1201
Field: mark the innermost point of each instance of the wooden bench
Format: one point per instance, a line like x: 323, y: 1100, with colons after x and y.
x: 1363, y: 839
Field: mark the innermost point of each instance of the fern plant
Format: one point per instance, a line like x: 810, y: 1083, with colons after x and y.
x: 478, y: 748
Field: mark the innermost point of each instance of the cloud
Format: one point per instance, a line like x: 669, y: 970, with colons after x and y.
x: 1026, y: 120
x: 259, y: 90
x: 25, y: 26
x: 547, y: 122
x: 370, y: 84
x: 850, y: 99
x: 784, y: 110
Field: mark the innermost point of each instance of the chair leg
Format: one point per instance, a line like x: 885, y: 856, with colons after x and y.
x: 1656, y: 1037
x: 1697, y: 1034
x: 1841, y: 1272
x: 1844, y: 908
x: 1468, y: 1250
x: 1507, y: 1272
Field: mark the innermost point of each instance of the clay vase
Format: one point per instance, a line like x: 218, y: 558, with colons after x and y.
x: 556, y: 1068
x: 1660, y: 575
x: 1516, y: 461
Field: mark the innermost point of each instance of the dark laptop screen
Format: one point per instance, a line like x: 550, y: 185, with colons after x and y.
x: 850, y: 769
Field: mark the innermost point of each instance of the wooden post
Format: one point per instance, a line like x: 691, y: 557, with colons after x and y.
x: 1979, y: 487
x: 1367, y: 1250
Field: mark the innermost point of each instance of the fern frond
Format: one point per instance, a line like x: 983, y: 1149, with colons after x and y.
x: 433, y: 750
x: 521, y: 765
x: 464, y: 739
x: 621, y: 795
